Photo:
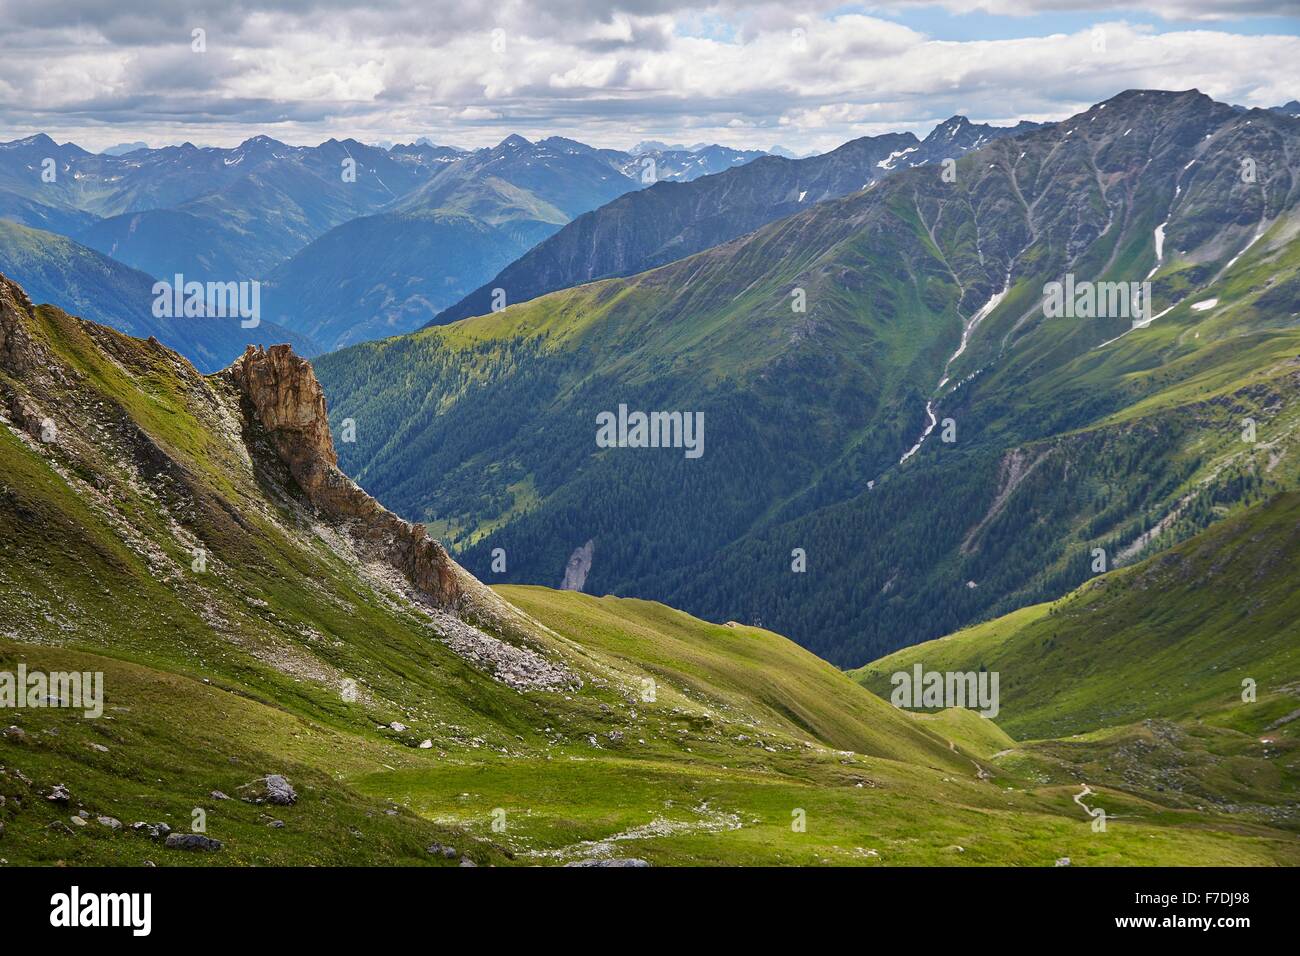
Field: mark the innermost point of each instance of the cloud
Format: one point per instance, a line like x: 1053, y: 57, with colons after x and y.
x: 463, y: 71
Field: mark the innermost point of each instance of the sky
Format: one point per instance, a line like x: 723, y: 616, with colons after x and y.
x: 803, y: 74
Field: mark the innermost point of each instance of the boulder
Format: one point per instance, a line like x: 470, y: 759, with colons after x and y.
x: 272, y: 788
x: 192, y: 841
x: 631, y: 861
x: 59, y: 794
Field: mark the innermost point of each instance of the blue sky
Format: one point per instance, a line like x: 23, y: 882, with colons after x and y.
x: 748, y: 73
x: 979, y: 25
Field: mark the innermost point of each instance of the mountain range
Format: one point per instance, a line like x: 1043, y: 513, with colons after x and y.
x: 884, y: 392
x: 293, y: 217
x: 670, y: 221
x: 328, y: 686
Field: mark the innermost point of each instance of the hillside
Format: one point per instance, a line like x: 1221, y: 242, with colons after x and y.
x: 922, y: 302
x: 255, y: 613
x: 56, y: 269
x: 1171, y: 637
x: 1177, y: 678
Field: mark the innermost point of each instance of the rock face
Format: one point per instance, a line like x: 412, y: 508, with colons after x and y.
x: 20, y: 354
x: 285, y: 398
x: 18, y: 351
x: 578, y: 567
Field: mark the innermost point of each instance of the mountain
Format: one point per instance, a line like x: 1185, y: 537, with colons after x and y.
x: 221, y: 214
x: 828, y: 429
x: 56, y: 269
x: 653, y: 163
x: 121, y: 149
x: 1175, y: 677
x: 669, y: 221
x: 237, y: 214
x: 329, y: 687
x: 267, y: 202
x: 391, y: 272
x: 28, y: 212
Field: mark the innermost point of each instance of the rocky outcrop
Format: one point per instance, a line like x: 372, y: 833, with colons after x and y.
x: 284, y: 398
x: 19, y: 352
x: 578, y: 567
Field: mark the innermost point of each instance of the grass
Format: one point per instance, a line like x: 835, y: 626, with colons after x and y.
x: 215, y: 679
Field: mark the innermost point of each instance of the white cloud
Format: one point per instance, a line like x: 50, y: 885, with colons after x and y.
x: 742, y: 73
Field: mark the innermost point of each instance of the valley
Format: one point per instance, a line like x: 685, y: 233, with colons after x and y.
x: 431, y: 564
x: 1120, y: 438
x: 420, y: 718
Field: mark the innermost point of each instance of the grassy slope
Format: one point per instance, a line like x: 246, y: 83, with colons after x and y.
x: 721, y: 803
x: 1137, y: 677
x: 215, y: 679
x: 1171, y: 637
x: 732, y: 667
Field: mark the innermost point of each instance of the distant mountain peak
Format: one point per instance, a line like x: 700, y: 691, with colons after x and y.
x: 259, y: 141
x: 37, y: 139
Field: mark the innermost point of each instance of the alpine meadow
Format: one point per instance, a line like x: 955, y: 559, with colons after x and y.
x: 696, y: 434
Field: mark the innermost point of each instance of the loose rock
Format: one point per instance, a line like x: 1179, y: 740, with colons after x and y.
x: 59, y: 794
x: 192, y: 841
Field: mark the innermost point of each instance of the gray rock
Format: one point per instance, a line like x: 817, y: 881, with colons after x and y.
x: 59, y: 794
x: 397, y: 726
x: 154, y: 831
x: 113, y: 823
x: 272, y: 788
x: 218, y: 795
x: 15, y: 731
x: 278, y: 791
x: 1063, y: 861
x: 632, y: 861
x: 276, y: 824
x: 466, y: 861
x: 192, y: 841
